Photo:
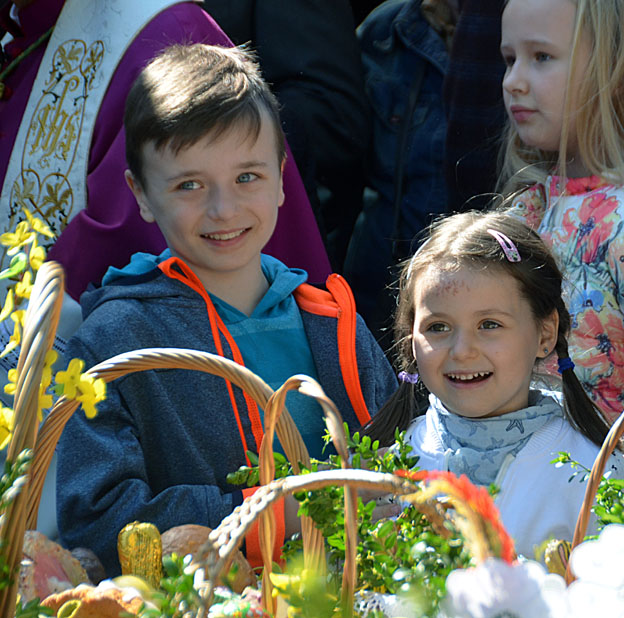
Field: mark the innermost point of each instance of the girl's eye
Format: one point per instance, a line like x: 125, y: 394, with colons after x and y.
x: 188, y: 185
x: 489, y: 325
x: 246, y: 177
x: 437, y: 327
x: 542, y: 56
x: 508, y: 60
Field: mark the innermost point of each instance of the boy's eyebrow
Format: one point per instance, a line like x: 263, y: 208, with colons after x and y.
x: 241, y: 165
x: 252, y: 163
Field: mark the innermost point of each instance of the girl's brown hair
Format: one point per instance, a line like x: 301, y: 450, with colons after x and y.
x: 463, y: 241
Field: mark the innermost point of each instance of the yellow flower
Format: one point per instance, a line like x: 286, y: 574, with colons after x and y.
x: 70, y: 379
x: 45, y: 399
x: 36, y: 256
x: 9, y: 305
x: 24, y: 287
x: 91, y: 392
x: 38, y: 225
x: 16, y: 337
x: 14, y: 240
x: 82, y: 387
x: 6, y: 426
x: 11, y: 387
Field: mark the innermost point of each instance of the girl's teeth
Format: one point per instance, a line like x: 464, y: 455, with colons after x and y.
x: 228, y: 236
x: 468, y: 376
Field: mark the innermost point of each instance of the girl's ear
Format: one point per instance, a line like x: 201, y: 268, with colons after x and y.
x: 139, y: 196
x: 549, y: 333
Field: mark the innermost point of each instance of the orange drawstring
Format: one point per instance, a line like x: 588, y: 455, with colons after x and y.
x: 188, y: 277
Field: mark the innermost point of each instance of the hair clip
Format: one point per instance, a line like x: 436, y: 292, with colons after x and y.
x: 509, y: 249
x: 564, y: 363
x: 404, y: 376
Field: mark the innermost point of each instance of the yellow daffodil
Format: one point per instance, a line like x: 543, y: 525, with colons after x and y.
x: 36, y: 256
x: 38, y: 225
x: 6, y: 426
x: 9, y: 305
x: 23, y: 235
x: 91, y: 392
x: 16, y: 337
x: 24, y: 287
x: 70, y: 379
x: 11, y: 387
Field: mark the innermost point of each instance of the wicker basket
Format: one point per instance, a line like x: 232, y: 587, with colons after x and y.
x: 217, y: 552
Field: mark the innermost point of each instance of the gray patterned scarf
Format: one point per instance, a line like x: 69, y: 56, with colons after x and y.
x: 478, y: 447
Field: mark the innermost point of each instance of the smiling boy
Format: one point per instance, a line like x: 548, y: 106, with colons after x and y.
x: 205, y: 153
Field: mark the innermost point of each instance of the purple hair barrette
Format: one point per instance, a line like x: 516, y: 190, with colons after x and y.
x: 411, y: 378
x: 509, y: 249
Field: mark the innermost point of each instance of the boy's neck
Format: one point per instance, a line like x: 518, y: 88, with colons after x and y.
x: 244, y: 291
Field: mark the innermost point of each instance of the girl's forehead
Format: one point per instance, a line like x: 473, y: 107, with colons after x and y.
x: 449, y: 281
x: 539, y: 18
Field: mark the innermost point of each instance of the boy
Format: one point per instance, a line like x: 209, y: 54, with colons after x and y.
x: 205, y: 153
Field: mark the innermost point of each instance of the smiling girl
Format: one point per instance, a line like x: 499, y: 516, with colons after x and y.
x: 565, y: 141
x: 479, y: 306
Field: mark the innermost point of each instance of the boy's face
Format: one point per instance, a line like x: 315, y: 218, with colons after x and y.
x: 215, y: 202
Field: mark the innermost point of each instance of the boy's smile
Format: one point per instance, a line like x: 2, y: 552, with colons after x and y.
x: 216, y: 204
x: 475, y: 340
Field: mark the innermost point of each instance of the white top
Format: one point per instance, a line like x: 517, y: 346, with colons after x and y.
x: 536, y: 501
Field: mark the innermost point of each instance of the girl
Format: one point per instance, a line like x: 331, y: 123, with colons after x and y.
x: 563, y: 90
x: 479, y: 305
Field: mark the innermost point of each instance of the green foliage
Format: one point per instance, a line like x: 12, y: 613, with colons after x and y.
x: 609, y: 503
x: 177, y: 595
x: 403, y: 556
x: 11, y: 484
x: 32, y: 609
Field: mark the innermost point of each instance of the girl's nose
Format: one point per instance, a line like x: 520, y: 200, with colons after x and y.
x: 463, y: 346
x: 514, y: 80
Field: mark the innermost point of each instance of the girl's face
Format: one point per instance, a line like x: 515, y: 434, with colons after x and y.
x: 475, y: 340
x: 537, y: 45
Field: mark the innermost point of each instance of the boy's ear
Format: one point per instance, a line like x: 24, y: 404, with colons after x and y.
x: 548, y: 334
x: 139, y: 196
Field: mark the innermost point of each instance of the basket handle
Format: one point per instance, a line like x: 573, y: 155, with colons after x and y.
x: 143, y: 360
x: 606, y: 450
x: 313, y: 542
x: 40, y: 325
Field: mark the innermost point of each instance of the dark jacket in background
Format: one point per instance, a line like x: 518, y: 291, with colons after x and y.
x: 310, y: 56
x: 474, y: 102
x: 404, y: 60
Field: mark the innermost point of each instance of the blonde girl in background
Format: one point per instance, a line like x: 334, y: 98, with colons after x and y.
x: 564, y: 94
x: 480, y: 306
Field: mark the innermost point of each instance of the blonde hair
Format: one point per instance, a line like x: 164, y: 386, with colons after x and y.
x: 599, y: 117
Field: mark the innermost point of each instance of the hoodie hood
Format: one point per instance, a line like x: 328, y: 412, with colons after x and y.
x: 129, y: 282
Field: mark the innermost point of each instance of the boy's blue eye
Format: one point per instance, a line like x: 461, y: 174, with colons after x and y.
x: 188, y: 185
x: 542, y: 56
x: 490, y: 324
x: 246, y: 177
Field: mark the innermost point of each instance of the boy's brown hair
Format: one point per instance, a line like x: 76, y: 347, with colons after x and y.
x: 190, y: 91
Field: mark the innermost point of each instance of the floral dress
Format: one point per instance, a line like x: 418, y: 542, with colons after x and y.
x: 584, y: 229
